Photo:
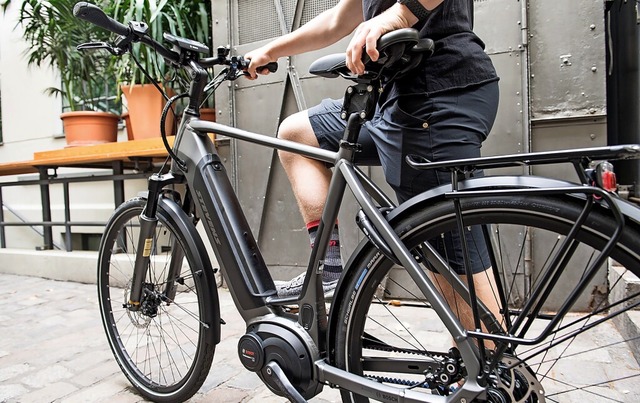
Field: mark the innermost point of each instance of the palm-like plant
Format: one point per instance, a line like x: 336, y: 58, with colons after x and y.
x: 52, y: 33
x: 185, y: 18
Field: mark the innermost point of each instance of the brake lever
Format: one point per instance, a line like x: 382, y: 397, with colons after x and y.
x: 116, y: 51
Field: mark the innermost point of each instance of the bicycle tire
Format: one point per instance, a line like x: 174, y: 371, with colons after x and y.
x: 166, y: 351
x: 370, y: 324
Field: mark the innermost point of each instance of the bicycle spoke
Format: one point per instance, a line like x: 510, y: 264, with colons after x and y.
x: 537, y: 264
x: 160, y: 342
x: 585, y: 388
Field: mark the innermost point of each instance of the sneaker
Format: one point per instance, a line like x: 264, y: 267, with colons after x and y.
x: 293, y: 287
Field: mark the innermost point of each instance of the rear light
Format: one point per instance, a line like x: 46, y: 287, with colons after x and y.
x: 602, y: 176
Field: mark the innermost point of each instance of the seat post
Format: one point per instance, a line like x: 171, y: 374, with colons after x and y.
x: 359, y: 106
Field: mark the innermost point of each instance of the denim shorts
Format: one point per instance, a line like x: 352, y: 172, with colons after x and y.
x: 439, y: 127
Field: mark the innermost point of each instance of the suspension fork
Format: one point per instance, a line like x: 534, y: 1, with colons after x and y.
x: 146, y: 241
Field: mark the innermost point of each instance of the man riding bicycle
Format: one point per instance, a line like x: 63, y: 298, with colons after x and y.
x: 442, y: 110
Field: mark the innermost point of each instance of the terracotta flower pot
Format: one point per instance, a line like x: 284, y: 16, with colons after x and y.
x: 83, y: 128
x: 127, y: 125
x: 145, y: 103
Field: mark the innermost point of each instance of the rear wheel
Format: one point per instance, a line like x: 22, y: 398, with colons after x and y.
x: 165, y: 347
x: 388, y: 331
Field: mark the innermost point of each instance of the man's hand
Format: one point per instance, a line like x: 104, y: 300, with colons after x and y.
x: 259, y: 57
x: 367, y: 34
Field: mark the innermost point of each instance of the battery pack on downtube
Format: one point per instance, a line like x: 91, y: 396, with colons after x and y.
x: 229, y: 231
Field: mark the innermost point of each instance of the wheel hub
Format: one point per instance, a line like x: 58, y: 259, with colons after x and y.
x: 150, y: 300
x: 149, y: 304
x: 515, y: 382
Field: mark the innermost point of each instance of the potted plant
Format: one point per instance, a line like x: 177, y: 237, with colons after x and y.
x: 53, y: 33
x: 190, y: 19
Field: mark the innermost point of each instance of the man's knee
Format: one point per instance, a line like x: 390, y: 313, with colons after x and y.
x: 297, y: 128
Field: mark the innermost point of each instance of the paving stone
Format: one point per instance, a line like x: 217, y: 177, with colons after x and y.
x: 53, y: 348
x: 50, y: 393
x: 11, y: 392
x: 96, y: 393
x: 223, y: 395
x: 248, y: 381
x: 12, y: 371
x: 96, y: 375
x: 48, y: 375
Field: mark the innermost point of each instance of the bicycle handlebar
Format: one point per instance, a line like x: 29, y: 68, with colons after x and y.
x: 93, y: 14
x: 135, y: 32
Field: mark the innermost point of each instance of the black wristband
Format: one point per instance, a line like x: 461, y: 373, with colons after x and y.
x: 416, y: 8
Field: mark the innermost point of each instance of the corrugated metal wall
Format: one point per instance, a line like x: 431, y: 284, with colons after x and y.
x: 550, y: 56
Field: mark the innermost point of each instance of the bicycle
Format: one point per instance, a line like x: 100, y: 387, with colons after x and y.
x: 157, y: 290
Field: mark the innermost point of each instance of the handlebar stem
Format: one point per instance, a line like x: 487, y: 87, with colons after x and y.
x: 199, y: 78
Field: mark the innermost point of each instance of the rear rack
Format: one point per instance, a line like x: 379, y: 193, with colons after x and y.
x: 579, y: 156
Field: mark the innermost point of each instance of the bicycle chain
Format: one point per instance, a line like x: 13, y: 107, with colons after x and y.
x: 441, y: 375
x: 396, y: 381
x: 391, y: 349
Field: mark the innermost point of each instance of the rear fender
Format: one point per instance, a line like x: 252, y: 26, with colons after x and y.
x: 423, y: 200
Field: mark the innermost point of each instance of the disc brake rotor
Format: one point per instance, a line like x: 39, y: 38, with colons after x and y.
x: 137, y: 319
x: 515, y: 380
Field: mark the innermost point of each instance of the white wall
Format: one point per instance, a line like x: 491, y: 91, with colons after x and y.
x: 30, y: 119
x: 31, y: 123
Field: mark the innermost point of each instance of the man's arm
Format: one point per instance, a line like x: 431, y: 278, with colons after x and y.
x: 325, y: 29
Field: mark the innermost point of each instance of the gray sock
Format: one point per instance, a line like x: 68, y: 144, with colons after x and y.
x: 333, y: 261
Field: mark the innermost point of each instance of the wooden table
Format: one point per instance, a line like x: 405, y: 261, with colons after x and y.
x: 139, y: 155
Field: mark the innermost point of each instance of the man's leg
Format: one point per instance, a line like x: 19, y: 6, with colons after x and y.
x: 309, y: 178
x: 486, y: 291
x: 442, y: 127
x: 321, y: 126
x: 310, y: 184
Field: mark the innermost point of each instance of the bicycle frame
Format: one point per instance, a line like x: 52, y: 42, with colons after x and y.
x: 247, y: 275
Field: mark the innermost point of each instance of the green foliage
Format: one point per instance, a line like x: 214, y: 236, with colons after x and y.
x: 185, y: 18
x: 52, y: 32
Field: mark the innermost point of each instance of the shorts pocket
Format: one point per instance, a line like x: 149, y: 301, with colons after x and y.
x: 411, y: 111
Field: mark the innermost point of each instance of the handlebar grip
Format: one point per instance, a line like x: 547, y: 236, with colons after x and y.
x: 272, y: 67
x: 93, y: 14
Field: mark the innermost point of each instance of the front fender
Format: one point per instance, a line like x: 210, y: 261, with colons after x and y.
x: 171, y: 211
x: 423, y: 200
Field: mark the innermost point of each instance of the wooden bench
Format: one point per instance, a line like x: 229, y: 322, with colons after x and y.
x: 99, y: 156
x: 103, y: 154
x: 140, y: 155
x: 17, y: 168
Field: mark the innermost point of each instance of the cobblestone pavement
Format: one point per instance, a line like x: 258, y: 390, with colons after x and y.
x: 53, y: 348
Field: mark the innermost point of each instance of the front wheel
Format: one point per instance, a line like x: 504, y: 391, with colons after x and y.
x: 388, y: 332
x: 165, y: 348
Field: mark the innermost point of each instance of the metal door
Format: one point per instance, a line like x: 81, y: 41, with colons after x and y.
x: 549, y: 56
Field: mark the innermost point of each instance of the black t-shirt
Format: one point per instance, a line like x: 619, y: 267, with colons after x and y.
x: 459, y: 60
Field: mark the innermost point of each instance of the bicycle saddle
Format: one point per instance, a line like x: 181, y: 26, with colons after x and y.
x: 400, y: 51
